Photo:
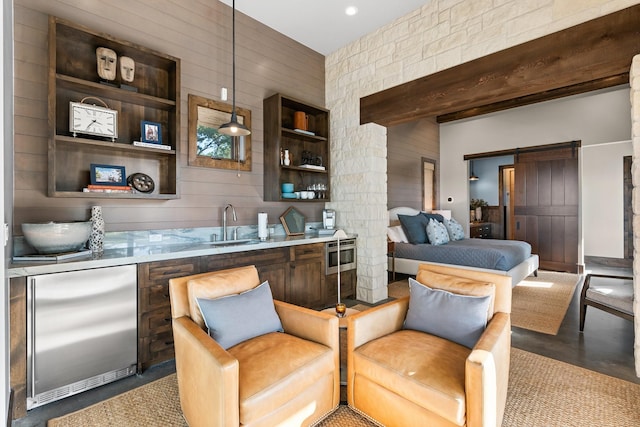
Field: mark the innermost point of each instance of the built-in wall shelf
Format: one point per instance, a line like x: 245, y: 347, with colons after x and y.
x: 152, y: 96
x: 309, y: 146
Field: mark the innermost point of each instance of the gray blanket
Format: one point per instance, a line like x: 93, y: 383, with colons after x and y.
x: 482, y: 253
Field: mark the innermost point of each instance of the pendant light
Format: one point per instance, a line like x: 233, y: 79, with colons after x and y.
x: 473, y: 176
x: 233, y: 127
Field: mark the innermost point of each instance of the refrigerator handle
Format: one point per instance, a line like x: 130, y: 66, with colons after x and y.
x: 31, y: 335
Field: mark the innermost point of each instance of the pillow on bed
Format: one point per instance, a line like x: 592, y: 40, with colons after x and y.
x: 396, y: 234
x: 454, y: 229
x: 437, y: 233
x: 414, y: 227
x: 429, y: 216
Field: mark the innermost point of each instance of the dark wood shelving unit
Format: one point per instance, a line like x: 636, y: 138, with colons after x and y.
x: 279, y: 134
x: 73, y: 76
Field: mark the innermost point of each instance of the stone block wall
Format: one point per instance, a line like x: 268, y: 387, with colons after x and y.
x: 634, y: 80
x: 440, y: 35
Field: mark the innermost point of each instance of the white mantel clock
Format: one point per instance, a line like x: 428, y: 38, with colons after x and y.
x: 91, y: 119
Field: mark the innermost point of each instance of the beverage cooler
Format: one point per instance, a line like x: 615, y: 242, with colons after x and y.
x: 81, y: 331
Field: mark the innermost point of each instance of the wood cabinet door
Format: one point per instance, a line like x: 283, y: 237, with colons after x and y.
x: 307, y: 273
x: 307, y: 283
x: 347, y: 286
x: 278, y: 277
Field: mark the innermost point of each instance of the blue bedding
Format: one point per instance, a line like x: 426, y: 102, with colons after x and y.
x: 481, y: 253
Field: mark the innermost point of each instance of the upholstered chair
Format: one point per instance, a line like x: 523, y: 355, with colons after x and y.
x: 275, y: 378
x: 610, y: 293
x: 406, y: 377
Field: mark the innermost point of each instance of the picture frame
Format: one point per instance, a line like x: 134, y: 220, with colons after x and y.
x: 108, y: 175
x: 150, y: 132
x: 211, y: 149
x: 293, y: 222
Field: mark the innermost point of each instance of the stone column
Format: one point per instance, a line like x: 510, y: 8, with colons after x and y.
x: 634, y: 79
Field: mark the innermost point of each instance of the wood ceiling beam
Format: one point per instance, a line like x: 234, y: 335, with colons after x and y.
x: 588, y: 56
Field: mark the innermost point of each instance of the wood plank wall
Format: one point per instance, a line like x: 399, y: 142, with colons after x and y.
x: 407, y: 144
x: 200, y: 35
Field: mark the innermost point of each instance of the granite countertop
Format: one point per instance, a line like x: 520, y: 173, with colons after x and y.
x: 135, y: 254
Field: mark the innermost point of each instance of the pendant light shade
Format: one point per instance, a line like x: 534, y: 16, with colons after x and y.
x: 233, y: 127
x: 473, y: 176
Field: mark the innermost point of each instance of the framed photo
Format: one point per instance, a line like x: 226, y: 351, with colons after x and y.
x: 108, y: 175
x: 150, y: 132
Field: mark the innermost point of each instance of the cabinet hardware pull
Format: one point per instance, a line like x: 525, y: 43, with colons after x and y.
x: 167, y: 319
x: 168, y: 272
x: 168, y: 343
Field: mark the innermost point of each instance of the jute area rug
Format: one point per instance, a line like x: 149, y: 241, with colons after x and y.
x: 542, y: 392
x: 538, y: 303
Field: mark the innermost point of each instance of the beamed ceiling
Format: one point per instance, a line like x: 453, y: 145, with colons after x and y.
x: 593, y: 55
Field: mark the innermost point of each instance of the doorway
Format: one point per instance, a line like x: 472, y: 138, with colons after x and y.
x: 428, y: 184
x: 506, y: 190
x: 538, y: 201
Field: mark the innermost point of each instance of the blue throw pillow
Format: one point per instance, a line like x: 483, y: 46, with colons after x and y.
x: 458, y: 318
x: 455, y: 230
x: 437, y: 233
x: 415, y: 227
x: 437, y: 217
x: 236, y: 318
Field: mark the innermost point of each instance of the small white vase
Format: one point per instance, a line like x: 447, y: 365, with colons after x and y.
x: 478, y: 214
x: 96, y: 238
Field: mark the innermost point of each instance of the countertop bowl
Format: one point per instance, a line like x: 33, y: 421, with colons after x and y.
x: 56, y: 237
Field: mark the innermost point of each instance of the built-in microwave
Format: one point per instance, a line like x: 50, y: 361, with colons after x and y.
x: 347, y: 255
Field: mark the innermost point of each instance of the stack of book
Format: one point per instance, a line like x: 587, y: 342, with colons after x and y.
x: 107, y: 189
x: 151, y: 145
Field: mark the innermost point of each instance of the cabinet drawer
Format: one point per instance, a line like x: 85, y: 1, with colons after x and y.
x: 480, y: 230
x: 155, y: 349
x: 154, y: 273
x: 232, y: 260
x: 153, y: 297
x: 302, y: 252
x: 155, y: 322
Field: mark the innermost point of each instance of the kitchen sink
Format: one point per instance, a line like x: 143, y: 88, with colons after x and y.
x: 232, y: 242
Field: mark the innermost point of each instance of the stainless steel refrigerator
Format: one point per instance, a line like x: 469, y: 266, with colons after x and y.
x: 82, y: 331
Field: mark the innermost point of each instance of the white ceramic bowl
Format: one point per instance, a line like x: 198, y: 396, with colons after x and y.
x: 55, y: 237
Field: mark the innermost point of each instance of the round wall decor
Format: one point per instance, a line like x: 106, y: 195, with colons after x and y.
x: 141, y: 182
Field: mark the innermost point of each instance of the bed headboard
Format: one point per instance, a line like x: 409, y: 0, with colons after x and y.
x: 402, y: 210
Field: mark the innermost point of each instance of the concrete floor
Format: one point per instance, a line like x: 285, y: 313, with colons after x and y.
x: 606, y: 346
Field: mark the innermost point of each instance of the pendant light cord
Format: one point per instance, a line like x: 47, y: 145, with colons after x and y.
x: 233, y: 51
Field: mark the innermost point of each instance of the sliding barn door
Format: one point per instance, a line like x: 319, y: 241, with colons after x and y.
x: 546, y: 206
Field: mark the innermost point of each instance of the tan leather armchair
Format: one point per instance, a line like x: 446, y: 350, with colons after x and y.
x: 408, y: 378
x: 289, y: 378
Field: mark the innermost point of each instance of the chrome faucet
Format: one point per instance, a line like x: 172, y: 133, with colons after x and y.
x: 224, y: 220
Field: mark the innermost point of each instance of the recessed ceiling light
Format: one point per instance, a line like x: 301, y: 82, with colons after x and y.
x: 351, y: 10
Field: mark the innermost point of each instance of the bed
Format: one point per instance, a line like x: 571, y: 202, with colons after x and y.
x: 507, y: 257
